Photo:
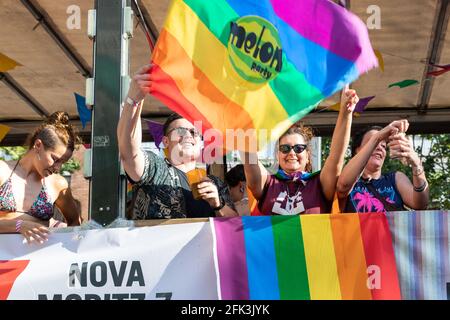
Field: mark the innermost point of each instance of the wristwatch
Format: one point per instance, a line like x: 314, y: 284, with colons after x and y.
x: 221, y: 205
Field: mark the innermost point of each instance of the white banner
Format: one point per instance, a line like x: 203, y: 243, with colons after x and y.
x: 159, y: 262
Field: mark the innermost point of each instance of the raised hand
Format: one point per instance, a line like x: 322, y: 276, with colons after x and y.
x: 349, y: 99
x: 400, y: 147
x: 141, y: 83
x: 392, y: 129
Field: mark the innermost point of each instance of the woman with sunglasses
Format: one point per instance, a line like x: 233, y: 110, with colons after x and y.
x: 293, y: 189
x: 30, y: 187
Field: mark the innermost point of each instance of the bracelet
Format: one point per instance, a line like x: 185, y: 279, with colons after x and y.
x: 19, y: 225
x: 222, y: 204
x: 417, y: 171
x: 421, y: 188
x: 132, y: 102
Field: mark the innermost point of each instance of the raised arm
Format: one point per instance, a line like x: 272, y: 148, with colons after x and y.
x: 255, y: 173
x: 416, y: 194
x: 129, y: 128
x: 355, y: 167
x: 339, y: 142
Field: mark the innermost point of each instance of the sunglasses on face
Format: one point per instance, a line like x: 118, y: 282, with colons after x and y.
x: 182, y: 132
x: 298, y: 148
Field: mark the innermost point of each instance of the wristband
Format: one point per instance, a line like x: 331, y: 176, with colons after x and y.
x: 221, y: 205
x: 132, y: 102
x: 421, y: 188
x: 19, y: 225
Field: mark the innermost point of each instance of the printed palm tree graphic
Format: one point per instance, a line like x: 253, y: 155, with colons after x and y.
x: 367, y: 201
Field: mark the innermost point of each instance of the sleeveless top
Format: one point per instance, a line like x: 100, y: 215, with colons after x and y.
x: 362, y: 200
x: 293, y: 197
x: 42, y: 208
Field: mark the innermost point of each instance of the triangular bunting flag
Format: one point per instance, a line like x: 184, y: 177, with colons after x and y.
x: 83, y: 111
x: 404, y: 83
x: 380, y: 59
x: 362, y: 103
x: 156, y: 130
x: 7, y: 63
x: 3, y: 131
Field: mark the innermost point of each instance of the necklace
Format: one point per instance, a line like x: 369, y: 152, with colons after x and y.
x: 291, y: 198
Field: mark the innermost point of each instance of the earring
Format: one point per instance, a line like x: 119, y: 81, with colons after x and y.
x: 38, y: 156
x: 241, y: 189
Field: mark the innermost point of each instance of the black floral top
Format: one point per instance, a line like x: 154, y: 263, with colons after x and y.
x: 163, y: 193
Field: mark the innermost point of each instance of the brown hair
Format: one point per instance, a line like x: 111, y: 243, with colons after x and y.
x: 171, y: 118
x: 359, y: 136
x: 307, y: 134
x: 55, y: 129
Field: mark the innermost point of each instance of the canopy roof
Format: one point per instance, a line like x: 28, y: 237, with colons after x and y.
x: 56, y: 60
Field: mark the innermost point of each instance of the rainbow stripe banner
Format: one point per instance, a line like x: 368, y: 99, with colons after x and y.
x: 422, y: 251
x: 340, y: 256
x: 256, y: 64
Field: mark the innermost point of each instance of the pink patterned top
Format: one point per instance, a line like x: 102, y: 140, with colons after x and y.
x: 42, y: 208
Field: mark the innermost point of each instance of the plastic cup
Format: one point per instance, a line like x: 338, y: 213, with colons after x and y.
x: 195, y: 177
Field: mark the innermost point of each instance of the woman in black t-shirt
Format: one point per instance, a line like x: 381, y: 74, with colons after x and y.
x: 363, y: 188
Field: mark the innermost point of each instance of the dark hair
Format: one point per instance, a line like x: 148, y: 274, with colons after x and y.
x: 235, y: 175
x: 359, y: 135
x: 55, y: 129
x: 171, y: 118
x: 307, y: 134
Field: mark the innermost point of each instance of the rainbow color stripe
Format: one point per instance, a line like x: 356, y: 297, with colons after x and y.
x: 422, y: 251
x: 323, y: 47
x: 339, y: 256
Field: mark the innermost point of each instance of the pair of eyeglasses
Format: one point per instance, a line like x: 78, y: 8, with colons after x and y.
x: 182, y: 132
x: 298, y: 148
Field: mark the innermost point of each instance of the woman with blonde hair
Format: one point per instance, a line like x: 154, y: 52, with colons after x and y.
x: 30, y: 187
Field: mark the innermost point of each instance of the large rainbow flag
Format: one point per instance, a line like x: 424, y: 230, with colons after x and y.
x: 256, y: 64
x: 339, y: 256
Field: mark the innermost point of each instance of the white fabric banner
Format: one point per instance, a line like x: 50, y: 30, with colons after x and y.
x: 159, y: 262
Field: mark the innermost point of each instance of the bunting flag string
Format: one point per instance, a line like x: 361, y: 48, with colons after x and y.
x: 363, y: 102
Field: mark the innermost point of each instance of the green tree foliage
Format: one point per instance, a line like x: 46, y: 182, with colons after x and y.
x: 14, y: 153
x: 434, y: 150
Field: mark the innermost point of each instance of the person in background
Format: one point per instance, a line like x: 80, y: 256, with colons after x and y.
x: 362, y: 187
x: 161, y: 187
x: 235, y: 178
x: 30, y: 187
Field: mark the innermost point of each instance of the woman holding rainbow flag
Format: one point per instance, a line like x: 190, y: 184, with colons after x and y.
x: 293, y: 189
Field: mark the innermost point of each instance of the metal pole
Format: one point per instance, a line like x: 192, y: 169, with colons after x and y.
x: 111, y: 69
